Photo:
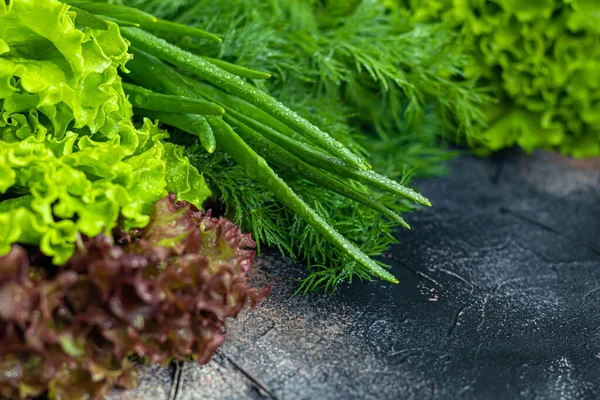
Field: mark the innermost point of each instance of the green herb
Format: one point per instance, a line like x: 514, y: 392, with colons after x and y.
x: 273, y: 224
x: 257, y: 168
x: 236, y: 85
x: 322, y: 84
x: 152, y: 72
x: 324, y: 68
x: 373, y: 59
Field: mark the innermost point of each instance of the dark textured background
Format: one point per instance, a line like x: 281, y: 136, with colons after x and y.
x: 499, y: 299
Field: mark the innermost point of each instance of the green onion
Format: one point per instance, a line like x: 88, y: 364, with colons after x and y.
x: 85, y: 18
x: 238, y: 69
x: 150, y: 72
x: 327, y: 162
x: 174, y: 28
x: 116, y: 11
x: 190, y: 123
x: 230, y: 102
x: 289, y: 162
x: 146, y: 99
x: 121, y: 22
x: 236, y: 85
x: 257, y: 168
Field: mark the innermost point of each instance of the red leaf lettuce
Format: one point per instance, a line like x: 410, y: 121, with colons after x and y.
x: 160, y: 293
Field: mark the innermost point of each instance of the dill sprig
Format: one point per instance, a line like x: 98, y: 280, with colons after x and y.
x: 349, y: 67
x: 273, y: 225
x: 389, y: 70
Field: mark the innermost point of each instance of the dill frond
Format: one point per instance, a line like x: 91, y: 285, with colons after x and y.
x: 353, y: 68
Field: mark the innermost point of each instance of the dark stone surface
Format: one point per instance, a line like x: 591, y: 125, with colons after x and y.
x: 499, y: 299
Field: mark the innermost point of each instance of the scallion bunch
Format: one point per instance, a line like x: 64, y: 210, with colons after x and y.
x: 213, y: 100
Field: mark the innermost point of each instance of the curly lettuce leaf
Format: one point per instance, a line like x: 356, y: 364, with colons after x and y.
x: 68, y: 147
x: 540, y: 56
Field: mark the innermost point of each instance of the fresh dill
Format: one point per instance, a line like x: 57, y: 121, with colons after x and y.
x: 358, y: 71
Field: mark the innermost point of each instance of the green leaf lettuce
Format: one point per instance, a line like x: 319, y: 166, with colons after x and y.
x: 71, y: 160
x: 541, y: 59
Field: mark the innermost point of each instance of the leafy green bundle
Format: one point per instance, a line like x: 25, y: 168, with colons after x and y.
x: 162, y: 293
x: 255, y: 130
x: 75, y: 167
x: 267, y: 164
x: 349, y: 67
x: 542, y: 61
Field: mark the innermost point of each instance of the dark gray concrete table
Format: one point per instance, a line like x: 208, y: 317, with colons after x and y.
x: 499, y: 299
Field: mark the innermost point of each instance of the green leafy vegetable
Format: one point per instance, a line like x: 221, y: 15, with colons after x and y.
x: 320, y: 96
x: 257, y: 168
x: 71, y: 161
x: 236, y: 85
x: 272, y: 132
x: 541, y: 59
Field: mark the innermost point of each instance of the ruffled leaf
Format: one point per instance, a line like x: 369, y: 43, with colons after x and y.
x: 66, y: 137
x: 540, y: 56
x: 163, y: 293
